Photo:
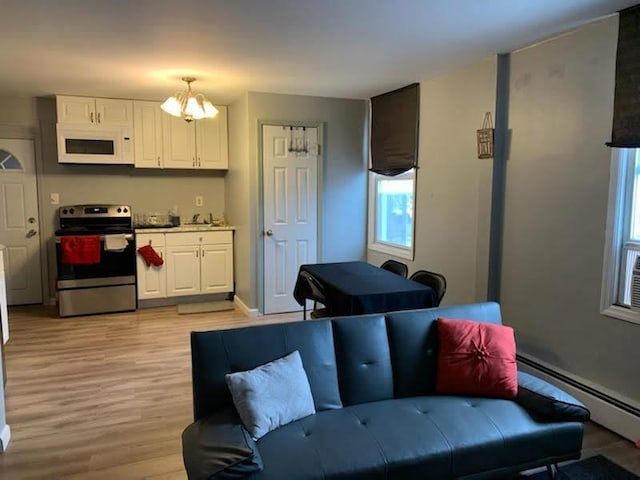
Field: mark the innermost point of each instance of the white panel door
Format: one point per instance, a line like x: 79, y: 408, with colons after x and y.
x: 290, y: 171
x: 183, y: 270
x: 19, y: 229
x: 216, y: 269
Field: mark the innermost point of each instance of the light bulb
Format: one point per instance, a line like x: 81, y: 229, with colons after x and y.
x: 209, y: 110
x: 193, y: 109
x: 172, y: 106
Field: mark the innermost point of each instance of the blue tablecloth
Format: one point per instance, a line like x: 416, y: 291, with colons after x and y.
x: 354, y: 288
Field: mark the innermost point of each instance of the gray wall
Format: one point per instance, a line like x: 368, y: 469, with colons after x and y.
x: 453, y: 193
x: 343, y: 205
x: 556, y: 204
x: 145, y: 190
x: 238, y: 194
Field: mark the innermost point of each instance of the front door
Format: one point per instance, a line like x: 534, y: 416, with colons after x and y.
x: 290, y: 176
x: 19, y: 230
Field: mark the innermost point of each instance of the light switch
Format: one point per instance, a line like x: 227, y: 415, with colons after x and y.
x: 55, y: 198
x: 199, y: 201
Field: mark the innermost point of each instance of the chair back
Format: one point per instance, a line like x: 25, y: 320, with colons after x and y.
x: 314, y: 287
x: 433, y: 280
x: 315, y: 292
x: 396, y: 267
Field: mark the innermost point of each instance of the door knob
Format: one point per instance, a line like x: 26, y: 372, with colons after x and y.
x: 31, y: 233
x: 268, y: 233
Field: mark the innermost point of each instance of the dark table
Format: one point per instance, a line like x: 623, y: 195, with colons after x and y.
x: 354, y: 288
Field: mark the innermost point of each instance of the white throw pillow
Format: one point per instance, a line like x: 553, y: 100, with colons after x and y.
x: 271, y: 395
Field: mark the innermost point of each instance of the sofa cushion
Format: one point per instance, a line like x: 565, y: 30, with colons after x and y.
x: 413, y: 341
x: 476, y: 358
x: 362, y: 353
x: 437, y: 437
x: 272, y: 394
x: 548, y: 403
x: 219, y: 447
x: 216, y: 353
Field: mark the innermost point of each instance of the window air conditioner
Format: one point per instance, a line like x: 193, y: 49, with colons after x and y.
x: 635, y: 286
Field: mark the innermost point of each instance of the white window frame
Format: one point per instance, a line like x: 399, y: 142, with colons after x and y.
x: 620, y: 191
x: 386, y: 247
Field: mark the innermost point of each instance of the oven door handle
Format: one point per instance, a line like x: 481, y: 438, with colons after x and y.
x: 127, y: 236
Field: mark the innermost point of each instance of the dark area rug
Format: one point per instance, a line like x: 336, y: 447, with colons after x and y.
x: 592, y: 468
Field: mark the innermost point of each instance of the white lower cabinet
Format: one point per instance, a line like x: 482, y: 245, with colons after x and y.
x: 183, y: 270
x: 195, y: 263
x: 152, y: 280
x: 216, y: 268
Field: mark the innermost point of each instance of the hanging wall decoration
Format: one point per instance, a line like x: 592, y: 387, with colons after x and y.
x: 485, y: 137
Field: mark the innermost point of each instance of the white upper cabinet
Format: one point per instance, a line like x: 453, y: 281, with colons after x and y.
x: 147, y: 132
x: 179, y: 142
x: 211, y: 141
x: 201, y: 144
x: 94, y: 111
x: 114, y: 112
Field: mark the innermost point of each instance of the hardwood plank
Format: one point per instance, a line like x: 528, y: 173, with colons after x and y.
x: 107, y: 396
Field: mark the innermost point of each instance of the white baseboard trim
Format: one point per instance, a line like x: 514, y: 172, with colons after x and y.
x: 5, y: 436
x: 249, y: 312
x: 616, y: 419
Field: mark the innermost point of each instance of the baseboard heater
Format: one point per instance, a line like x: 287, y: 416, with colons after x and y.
x: 620, y: 416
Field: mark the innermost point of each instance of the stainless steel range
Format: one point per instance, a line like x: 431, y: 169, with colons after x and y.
x: 96, y: 259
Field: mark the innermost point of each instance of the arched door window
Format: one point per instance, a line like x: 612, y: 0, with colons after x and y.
x: 8, y: 161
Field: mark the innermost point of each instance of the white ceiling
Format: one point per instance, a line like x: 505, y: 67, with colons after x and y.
x: 338, y: 48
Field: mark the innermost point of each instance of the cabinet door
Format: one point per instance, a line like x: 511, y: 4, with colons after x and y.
x: 183, y: 270
x: 147, y: 134
x: 211, y: 141
x: 79, y: 110
x: 152, y: 280
x: 114, y: 112
x: 178, y: 142
x: 217, y: 268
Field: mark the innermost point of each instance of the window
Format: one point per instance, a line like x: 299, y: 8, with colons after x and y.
x: 8, y: 161
x: 391, y: 213
x: 623, y: 234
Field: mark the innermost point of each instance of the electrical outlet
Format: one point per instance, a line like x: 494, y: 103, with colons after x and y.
x: 199, y: 201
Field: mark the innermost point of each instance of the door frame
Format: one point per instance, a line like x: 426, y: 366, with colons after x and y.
x: 260, y: 217
x: 19, y: 132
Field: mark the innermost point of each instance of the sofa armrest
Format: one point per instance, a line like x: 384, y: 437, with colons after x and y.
x: 548, y: 403
x: 219, y: 447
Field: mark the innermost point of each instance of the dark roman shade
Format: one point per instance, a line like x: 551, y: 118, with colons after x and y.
x: 394, y: 130
x: 626, y: 106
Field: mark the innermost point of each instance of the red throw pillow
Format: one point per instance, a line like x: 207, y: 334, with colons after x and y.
x: 476, y: 358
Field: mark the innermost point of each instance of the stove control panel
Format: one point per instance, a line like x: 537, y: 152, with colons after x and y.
x: 95, y: 211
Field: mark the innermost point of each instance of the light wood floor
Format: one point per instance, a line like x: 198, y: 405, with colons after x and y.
x: 107, y: 396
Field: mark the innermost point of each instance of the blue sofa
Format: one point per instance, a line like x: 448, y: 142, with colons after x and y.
x: 378, y: 417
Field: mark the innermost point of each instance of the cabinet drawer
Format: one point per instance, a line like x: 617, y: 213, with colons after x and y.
x: 199, y: 238
x: 153, y: 239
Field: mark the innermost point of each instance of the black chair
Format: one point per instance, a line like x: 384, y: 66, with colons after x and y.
x: 433, y: 280
x: 398, y: 268
x: 316, y: 293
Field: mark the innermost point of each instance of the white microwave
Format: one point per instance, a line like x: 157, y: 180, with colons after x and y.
x: 94, y: 144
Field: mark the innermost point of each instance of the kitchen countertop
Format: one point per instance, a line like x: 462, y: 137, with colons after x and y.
x: 186, y: 228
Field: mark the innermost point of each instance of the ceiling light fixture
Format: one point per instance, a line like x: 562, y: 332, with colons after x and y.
x: 188, y: 105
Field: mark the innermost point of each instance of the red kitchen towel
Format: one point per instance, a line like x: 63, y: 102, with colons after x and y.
x: 150, y: 256
x: 80, y: 250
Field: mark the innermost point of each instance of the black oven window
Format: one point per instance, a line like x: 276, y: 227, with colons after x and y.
x: 112, y: 264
